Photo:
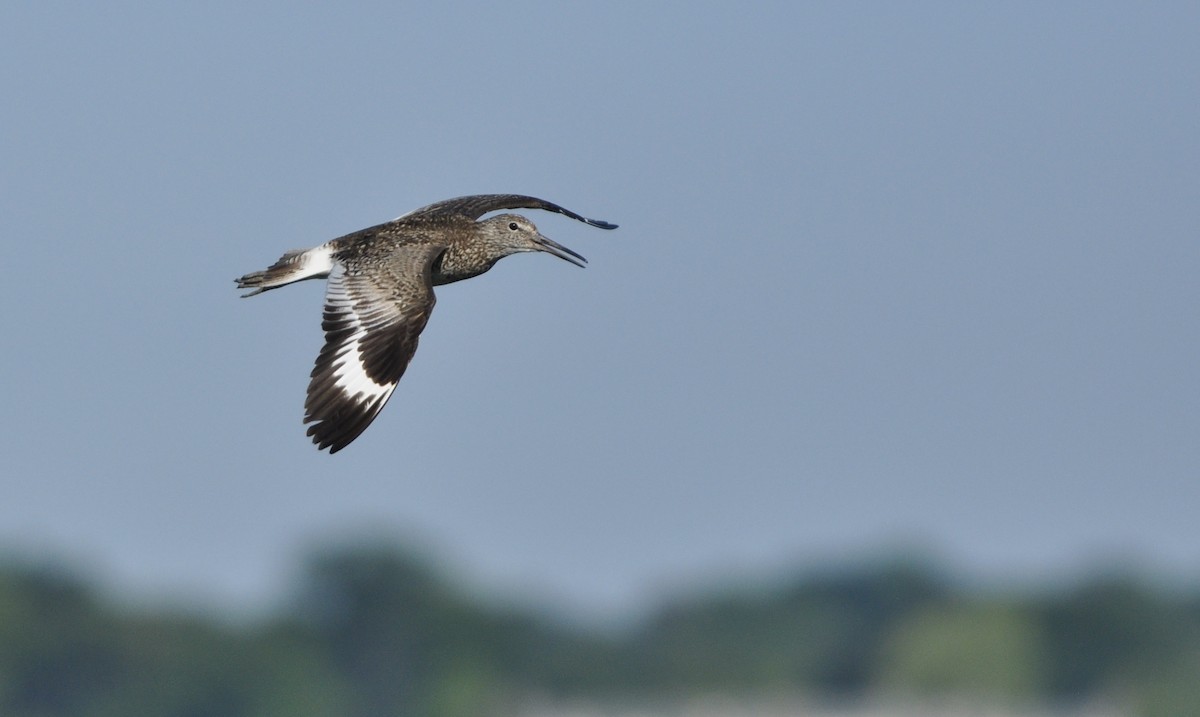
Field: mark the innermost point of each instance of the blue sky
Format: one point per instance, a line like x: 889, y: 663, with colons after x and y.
x: 887, y: 275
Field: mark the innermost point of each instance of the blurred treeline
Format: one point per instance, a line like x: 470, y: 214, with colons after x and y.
x: 372, y: 630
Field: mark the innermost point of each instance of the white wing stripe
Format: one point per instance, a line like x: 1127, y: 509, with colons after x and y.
x: 348, y: 373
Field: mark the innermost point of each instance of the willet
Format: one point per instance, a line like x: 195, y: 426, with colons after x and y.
x: 380, y: 293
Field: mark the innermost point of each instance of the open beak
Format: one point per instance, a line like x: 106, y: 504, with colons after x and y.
x: 552, y: 247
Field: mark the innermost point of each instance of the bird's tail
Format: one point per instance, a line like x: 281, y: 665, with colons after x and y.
x: 295, y: 265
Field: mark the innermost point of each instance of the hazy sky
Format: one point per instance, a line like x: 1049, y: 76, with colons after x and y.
x: 887, y: 274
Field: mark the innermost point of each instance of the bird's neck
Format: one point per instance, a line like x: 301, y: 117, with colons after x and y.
x: 458, y: 263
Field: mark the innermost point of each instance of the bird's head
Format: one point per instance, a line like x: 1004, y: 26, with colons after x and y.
x: 512, y: 233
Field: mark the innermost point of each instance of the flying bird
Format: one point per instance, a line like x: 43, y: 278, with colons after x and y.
x: 380, y: 294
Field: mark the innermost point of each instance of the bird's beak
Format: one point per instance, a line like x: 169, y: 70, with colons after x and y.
x: 552, y: 247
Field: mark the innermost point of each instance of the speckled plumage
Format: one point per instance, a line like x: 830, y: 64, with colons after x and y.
x: 380, y: 295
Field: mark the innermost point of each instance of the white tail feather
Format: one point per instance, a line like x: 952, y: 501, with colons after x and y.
x: 295, y: 265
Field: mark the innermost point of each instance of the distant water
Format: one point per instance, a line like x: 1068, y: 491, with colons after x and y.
x: 726, y: 707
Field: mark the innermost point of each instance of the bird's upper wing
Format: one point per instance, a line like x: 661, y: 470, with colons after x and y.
x: 476, y: 205
x: 373, y: 318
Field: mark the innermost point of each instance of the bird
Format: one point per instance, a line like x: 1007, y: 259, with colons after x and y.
x: 380, y: 293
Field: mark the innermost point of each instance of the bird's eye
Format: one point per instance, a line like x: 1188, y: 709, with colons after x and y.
x: 512, y: 226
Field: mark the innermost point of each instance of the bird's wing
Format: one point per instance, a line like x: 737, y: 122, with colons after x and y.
x: 476, y: 205
x: 373, y: 318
